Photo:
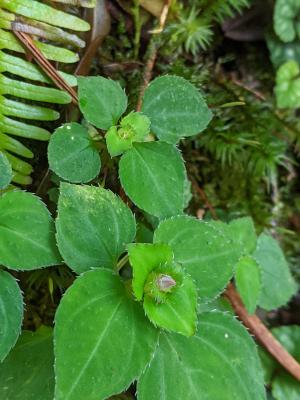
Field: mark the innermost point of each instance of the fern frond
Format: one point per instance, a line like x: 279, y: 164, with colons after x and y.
x: 23, y: 83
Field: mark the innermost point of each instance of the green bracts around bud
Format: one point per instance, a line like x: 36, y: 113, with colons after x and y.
x: 162, y: 282
x: 133, y: 128
x: 177, y: 312
x: 169, y: 295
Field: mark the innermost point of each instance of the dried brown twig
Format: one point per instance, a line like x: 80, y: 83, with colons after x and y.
x: 152, y: 53
x: 46, y: 66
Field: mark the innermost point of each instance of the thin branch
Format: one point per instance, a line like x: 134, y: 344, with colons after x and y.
x: 256, y: 93
x: 46, y: 66
x: 255, y: 325
x: 152, y: 53
x: 202, y: 194
x: 262, y: 334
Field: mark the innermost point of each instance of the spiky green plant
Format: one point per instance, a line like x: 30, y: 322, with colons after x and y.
x: 23, y: 83
x: 192, y: 28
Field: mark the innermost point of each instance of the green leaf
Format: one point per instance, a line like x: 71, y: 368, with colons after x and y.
x: 287, y: 89
x: 116, y: 144
x: 27, y: 373
x: 205, y: 249
x: 282, y: 52
x: 143, y: 259
x: 268, y: 364
x: 177, y: 312
x: 133, y: 128
x: 72, y: 155
x: 286, y: 19
x: 153, y: 176
x: 243, y: 232
x: 93, y: 227
x: 27, y: 232
x: 102, y: 339
x: 248, y: 281
x: 218, y: 304
x: 102, y: 101
x: 173, y: 306
x: 11, y: 313
x: 5, y: 171
x: 219, y: 363
x: 277, y: 283
x: 176, y: 108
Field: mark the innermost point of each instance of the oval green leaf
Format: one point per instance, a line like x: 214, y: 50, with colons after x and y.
x: 153, y: 176
x: 219, y: 363
x: 205, y: 249
x: 278, y: 285
x: 93, y: 227
x: 133, y: 128
x: 287, y: 89
x: 72, y: 155
x: 286, y: 19
x: 27, y: 373
x: 176, y: 108
x: 243, y: 232
x: 27, y: 238
x: 102, y: 101
x: 11, y: 313
x: 103, y: 340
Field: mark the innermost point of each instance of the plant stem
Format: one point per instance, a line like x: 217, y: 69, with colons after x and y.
x: 152, y: 53
x: 122, y: 262
x: 137, y: 27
